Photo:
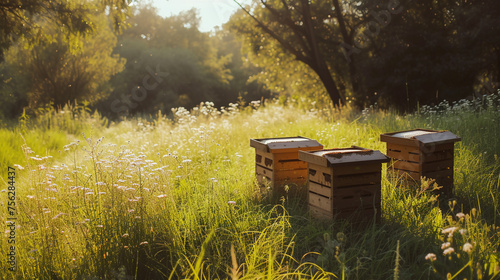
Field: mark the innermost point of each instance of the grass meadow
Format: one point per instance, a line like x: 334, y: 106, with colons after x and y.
x: 176, y: 197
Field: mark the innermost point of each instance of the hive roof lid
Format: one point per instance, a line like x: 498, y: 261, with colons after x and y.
x: 353, y: 155
x: 284, y: 143
x: 412, y: 133
x: 419, y: 136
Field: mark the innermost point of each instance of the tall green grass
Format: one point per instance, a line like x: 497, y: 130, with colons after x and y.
x: 176, y: 198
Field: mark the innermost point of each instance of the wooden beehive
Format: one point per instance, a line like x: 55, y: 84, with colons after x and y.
x: 344, y: 182
x: 277, y: 161
x: 422, y: 153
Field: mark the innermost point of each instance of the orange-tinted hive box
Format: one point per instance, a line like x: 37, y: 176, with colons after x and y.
x: 277, y: 160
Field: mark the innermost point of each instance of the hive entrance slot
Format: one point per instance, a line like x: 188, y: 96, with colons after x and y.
x: 289, y: 160
x: 258, y: 158
x: 328, y: 177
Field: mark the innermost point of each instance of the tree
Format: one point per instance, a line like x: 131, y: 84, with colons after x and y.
x: 303, y: 29
x: 398, y: 52
x: 244, y: 83
x: 20, y: 18
x: 59, y: 71
x: 189, y: 68
x: 433, y: 51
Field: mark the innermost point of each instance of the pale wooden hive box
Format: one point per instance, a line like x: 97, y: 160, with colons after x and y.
x: 344, y: 182
x: 277, y: 160
x: 422, y: 153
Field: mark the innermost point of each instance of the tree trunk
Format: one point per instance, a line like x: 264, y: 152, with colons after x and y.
x: 348, y: 39
x: 496, y: 87
x: 317, y: 59
x: 330, y: 85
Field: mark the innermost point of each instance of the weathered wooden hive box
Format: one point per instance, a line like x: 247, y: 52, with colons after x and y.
x: 344, y: 182
x: 422, y: 152
x: 277, y: 160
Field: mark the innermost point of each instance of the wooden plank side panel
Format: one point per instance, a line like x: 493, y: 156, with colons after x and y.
x: 320, y: 189
x: 403, y: 173
x: 264, y: 159
x: 291, y: 183
x: 402, y: 152
x: 319, y: 213
x: 260, y: 170
x: 438, y: 166
x: 290, y: 164
x: 320, y: 201
x: 286, y: 156
x: 290, y: 175
x: 357, y: 197
x: 432, y: 148
x: 438, y: 156
x: 356, y: 169
x: 357, y: 179
x: 320, y: 174
x: 403, y: 156
x: 405, y: 165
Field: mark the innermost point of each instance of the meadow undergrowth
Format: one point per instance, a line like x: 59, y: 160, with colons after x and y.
x: 175, y: 197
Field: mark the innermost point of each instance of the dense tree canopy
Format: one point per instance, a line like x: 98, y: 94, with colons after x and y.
x: 21, y: 18
x: 395, y: 52
x: 296, y: 28
x: 433, y: 51
x: 153, y: 64
x: 58, y: 74
x: 186, y: 66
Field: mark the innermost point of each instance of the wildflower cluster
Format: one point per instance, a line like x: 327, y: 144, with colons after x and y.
x: 460, y: 255
x: 366, y: 112
x: 205, y: 110
x: 490, y: 102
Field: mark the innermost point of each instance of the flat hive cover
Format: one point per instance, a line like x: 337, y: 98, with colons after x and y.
x: 343, y: 156
x: 412, y: 133
x: 420, y: 136
x: 270, y: 144
x: 284, y: 140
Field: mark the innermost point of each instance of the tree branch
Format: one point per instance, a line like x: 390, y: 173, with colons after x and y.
x: 298, y: 55
x: 297, y: 31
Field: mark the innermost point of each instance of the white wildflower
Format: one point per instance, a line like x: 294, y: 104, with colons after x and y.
x: 467, y: 247
x: 448, y: 251
x: 430, y: 257
x: 445, y: 245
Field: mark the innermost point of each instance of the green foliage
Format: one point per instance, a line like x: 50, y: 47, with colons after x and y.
x: 47, y: 133
x: 21, y: 19
x: 170, y: 63
x: 433, y: 51
x: 394, y: 53
x: 58, y: 71
x: 294, y: 40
